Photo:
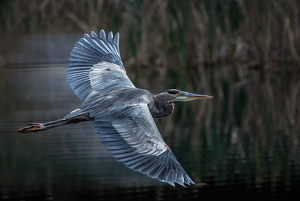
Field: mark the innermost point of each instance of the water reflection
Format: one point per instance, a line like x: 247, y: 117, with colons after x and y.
x: 244, y: 143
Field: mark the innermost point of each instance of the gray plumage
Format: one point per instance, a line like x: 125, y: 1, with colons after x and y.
x: 123, y: 114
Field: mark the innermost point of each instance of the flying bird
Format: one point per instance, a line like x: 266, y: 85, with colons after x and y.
x: 123, y: 114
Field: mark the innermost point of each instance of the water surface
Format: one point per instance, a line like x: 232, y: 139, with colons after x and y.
x: 243, y: 144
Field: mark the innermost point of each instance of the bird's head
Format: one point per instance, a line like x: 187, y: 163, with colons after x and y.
x: 178, y: 95
x: 164, y: 101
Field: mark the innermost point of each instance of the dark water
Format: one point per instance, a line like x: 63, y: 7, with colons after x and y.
x: 243, y: 144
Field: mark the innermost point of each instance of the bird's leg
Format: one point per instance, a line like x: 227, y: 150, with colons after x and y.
x: 35, y: 127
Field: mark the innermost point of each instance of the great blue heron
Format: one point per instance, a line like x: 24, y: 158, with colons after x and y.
x: 123, y: 114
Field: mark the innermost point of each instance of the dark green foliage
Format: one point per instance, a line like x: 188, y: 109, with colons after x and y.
x: 191, y: 33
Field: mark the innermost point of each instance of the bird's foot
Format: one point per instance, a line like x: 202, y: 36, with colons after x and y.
x: 32, y: 127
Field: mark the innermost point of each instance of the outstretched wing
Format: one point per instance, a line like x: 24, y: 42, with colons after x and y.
x: 95, y: 65
x: 131, y: 136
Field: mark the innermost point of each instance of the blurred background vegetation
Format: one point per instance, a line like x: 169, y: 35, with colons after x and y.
x: 252, y: 34
x: 245, y: 53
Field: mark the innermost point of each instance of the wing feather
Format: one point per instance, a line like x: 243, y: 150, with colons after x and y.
x: 110, y: 37
x: 95, y: 65
x: 116, y: 42
x: 131, y: 136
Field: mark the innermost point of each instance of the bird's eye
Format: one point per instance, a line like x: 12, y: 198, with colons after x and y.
x: 179, y: 94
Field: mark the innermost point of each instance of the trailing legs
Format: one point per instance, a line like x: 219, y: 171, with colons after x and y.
x: 35, y: 127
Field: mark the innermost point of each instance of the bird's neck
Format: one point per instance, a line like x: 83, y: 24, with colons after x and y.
x: 161, y: 108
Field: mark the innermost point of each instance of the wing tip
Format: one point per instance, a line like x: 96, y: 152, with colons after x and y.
x: 86, y: 36
x: 102, y: 35
x: 113, y: 39
x: 172, y: 173
x: 110, y: 37
x: 94, y: 35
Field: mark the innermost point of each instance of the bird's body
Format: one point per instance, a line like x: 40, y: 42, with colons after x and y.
x: 123, y: 114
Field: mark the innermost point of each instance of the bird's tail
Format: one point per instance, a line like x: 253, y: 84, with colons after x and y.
x: 74, y: 117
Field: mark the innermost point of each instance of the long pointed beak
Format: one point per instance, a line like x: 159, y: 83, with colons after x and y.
x: 192, y: 96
